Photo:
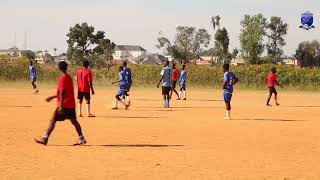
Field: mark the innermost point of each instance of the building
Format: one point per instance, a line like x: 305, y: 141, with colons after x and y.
x: 43, y: 57
x: 128, y: 52
x: 237, y: 61
x: 154, y: 59
x: 291, y: 61
x: 14, y: 51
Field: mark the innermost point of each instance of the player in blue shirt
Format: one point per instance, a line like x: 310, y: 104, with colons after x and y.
x: 166, y: 73
x: 182, y: 83
x: 123, y: 89
x: 128, y: 75
x: 33, y: 77
x: 229, y: 79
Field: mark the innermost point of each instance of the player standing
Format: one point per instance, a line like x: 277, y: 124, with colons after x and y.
x: 229, y: 80
x: 182, y: 83
x: 84, y: 80
x: 166, y: 84
x: 174, y: 78
x: 123, y: 88
x: 33, y: 77
x: 128, y: 75
x: 66, y: 106
x: 272, y: 82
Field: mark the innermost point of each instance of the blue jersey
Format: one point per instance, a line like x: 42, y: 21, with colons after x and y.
x: 229, y: 78
x: 32, y: 72
x: 123, y: 84
x: 128, y: 74
x: 166, y: 74
x: 183, y: 77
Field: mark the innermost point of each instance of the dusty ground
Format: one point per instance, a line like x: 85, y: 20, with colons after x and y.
x: 188, y: 141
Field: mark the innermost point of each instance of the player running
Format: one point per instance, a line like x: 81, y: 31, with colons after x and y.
x: 272, y: 82
x: 84, y: 80
x: 166, y: 84
x: 174, y: 78
x: 229, y: 80
x: 123, y: 89
x: 128, y: 75
x: 33, y: 77
x: 66, y: 106
x: 182, y: 83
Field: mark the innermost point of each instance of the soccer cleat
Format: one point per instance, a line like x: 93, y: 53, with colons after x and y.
x: 36, y: 91
x: 184, y: 99
x: 80, y: 142
x: 226, y: 118
x: 91, y: 115
x: 126, y: 107
x: 80, y: 115
x: 42, y: 140
x: 114, y: 108
x: 277, y: 104
x: 269, y: 105
x: 178, y: 98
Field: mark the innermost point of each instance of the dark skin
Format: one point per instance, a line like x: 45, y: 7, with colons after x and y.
x: 228, y: 105
x: 172, y: 89
x: 275, y: 95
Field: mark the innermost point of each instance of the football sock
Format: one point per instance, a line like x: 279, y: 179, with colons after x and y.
x: 88, y: 109
x: 80, y: 108
x: 180, y: 93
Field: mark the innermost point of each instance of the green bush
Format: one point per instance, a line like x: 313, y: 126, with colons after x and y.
x: 252, y: 76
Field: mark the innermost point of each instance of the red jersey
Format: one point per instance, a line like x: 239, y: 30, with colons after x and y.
x: 272, y: 78
x: 175, y: 75
x: 84, y: 77
x: 65, y: 84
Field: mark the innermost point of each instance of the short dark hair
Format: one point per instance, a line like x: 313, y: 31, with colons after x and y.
x: 124, y: 64
x: 273, y: 69
x: 226, y: 67
x: 31, y: 63
x: 173, y: 65
x: 167, y: 63
x: 85, y: 63
x: 63, y: 66
x: 120, y: 68
x: 183, y: 66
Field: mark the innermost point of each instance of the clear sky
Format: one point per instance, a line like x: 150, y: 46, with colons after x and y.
x: 138, y: 22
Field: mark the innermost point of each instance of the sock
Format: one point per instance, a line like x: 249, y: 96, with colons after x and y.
x: 88, y: 109
x: 164, y: 101
x: 180, y: 94
x: 184, y: 94
x: 228, y: 113
x: 128, y: 100
x: 115, y: 104
x: 45, y: 136
x: 80, y: 108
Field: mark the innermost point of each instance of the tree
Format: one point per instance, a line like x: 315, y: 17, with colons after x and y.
x: 308, y: 53
x: 251, y: 38
x: 235, y: 53
x: 277, y: 29
x: 103, y: 56
x: 221, y: 46
x: 215, y: 21
x: 83, y: 43
x: 30, y: 55
x: 188, y: 44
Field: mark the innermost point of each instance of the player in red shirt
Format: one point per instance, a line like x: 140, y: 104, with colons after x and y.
x: 272, y: 82
x: 174, y: 77
x: 65, y: 106
x: 84, y: 80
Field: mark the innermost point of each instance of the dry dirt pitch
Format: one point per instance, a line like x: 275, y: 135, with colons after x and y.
x: 188, y: 141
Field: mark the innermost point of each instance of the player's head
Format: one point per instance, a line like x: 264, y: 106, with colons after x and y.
x: 184, y: 67
x: 226, y: 67
x: 120, y: 68
x: 274, y: 70
x: 85, y: 63
x: 167, y: 63
x: 31, y: 63
x: 173, y: 65
x: 124, y: 64
x: 63, y: 66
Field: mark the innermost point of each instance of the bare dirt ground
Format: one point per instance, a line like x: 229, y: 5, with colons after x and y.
x: 188, y: 141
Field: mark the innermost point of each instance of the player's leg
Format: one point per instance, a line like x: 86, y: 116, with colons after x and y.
x: 184, y: 92
x: 128, y: 102
x: 180, y: 93
x: 77, y: 126
x: 269, y: 97
x: 276, y: 97
x: 227, y: 100
x: 80, y: 100
x: 34, y: 86
x: 164, y: 96
x: 168, y: 96
x: 88, y: 98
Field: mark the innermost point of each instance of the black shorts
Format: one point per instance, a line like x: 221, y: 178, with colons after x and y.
x: 182, y: 87
x: 272, y: 90
x: 85, y: 95
x: 173, y: 84
x: 66, y: 114
x: 166, y: 90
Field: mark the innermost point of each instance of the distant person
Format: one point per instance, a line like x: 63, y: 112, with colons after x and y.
x: 128, y: 76
x: 174, y: 78
x: 122, y: 91
x: 182, y: 83
x: 33, y: 77
x: 84, y: 80
x: 272, y: 82
x: 166, y: 84
x: 229, y: 80
x: 66, y: 106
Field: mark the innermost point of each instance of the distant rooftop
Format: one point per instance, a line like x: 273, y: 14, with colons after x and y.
x: 129, y: 48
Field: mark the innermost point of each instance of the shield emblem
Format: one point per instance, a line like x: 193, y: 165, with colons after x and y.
x: 307, y: 20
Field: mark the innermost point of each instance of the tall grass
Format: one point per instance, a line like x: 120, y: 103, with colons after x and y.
x: 252, y: 76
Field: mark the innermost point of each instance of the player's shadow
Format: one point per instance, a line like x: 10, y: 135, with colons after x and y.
x: 263, y: 119
x: 198, y: 107
x: 127, y: 145
x: 132, y: 117
x: 302, y: 106
x: 146, y: 99
x: 207, y: 100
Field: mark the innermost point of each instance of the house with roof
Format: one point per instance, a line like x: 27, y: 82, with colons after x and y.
x: 128, y: 52
x: 14, y: 51
x: 152, y: 59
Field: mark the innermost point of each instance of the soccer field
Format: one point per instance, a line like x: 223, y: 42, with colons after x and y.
x: 188, y: 141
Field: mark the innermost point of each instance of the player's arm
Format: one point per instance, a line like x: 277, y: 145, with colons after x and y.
x: 50, y: 98
x: 236, y: 79
x: 159, y: 81
x: 61, y: 101
x: 91, y: 86
x: 224, y: 85
x: 114, y: 82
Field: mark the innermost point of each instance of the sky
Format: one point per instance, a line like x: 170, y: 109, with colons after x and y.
x: 138, y: 22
